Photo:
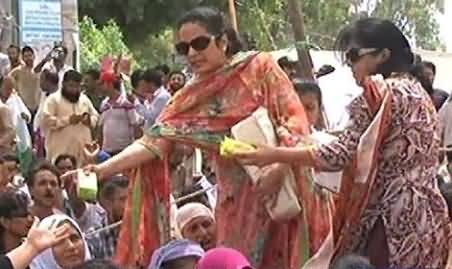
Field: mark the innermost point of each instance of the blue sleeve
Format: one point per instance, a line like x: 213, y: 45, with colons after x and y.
x: 102, y: 156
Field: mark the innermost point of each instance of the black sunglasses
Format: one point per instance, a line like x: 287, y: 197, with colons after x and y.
x: 199, y: 44
x: 354, y: 54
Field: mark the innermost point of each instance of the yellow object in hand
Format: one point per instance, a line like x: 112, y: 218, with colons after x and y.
x: 231, y: 146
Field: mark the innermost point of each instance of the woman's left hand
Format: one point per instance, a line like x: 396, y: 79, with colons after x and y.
x: 262, y: 156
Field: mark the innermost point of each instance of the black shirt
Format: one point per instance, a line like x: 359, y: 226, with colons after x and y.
x: 5, y: 263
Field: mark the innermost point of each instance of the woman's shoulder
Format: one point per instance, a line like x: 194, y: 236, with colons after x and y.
x: 407, y: 87
x: 253, y: 57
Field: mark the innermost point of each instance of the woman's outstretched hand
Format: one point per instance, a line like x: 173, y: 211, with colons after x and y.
x: 263, y: 155
x: 42, y: 238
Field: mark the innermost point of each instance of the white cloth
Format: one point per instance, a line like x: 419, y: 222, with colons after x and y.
x: 46, y: 260
x: 52, y: 68
x: 17, y: 108
x: 4, y: 64
x: 445, y: 120
x: 191, y: 211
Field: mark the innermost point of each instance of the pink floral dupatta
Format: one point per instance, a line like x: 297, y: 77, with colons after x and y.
x: 200, y: 115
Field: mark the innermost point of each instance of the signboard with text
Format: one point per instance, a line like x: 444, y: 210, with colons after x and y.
x: 40, y: 24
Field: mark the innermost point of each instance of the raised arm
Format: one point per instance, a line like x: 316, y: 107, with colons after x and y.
x: 140, y: 152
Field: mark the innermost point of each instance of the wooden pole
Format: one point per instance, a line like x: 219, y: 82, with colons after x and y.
x: 233, y: 15
x: 305, y: 65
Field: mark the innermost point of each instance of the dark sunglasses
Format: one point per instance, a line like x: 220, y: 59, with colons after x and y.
x: 354, y: 54
x: 199, y: 44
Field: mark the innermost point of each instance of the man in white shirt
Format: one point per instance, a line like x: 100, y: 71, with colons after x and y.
x: 156, y: 95
x: 4, y: 63
x: 68, y: 118
x: 27, y: 81
x: 19, y: 112
x: 55, y: 62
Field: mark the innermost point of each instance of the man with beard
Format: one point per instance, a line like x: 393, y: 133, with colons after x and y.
x: 176, y: 82
x: 109, y: 210
x: 425, y: 72
x: 68, y: 117
x: 44, y: 185
x: 27, y: 81
x: 14, y: 57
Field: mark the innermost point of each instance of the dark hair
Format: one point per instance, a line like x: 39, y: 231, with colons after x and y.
x: 352, y: 261
x: 109, y: 188
x: 63, y: 48
x: 10, y: 203
x: 446, y: 192
x: 52, y: 77
x: 12, y: 46
x: 94, y: 73
x: 136, y: 77
x: 303, y: 87
x: 285, y: 62
x: 152, y: 76
x: 164, y: 68
x: 177, y: 72
x: 215, y: 23
x: 98, y: 264
x: 200, y: 198
x: 72, y: 75
x: 429, y: 65
x: 10, y: 158
x: 63, y: 157
x: 42, y: 166
x: 379, y: 34
x: 27, y: 49
x: 449, y: 154
x: 417, y: 58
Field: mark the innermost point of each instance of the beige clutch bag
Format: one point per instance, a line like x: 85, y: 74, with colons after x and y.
x: 258, y: 129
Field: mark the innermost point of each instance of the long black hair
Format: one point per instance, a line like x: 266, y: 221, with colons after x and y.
x: 216, y: 24
x: 308, y: 86
x: 379, y: 34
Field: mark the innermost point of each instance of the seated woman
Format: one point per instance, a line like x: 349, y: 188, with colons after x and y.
x: 71, y: 252
x: 223, y: 258
x: 178, y: 254
x: 196, y: 222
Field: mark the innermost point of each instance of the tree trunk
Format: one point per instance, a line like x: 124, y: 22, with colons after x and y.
x: 305, y: 65
x: 233, y: 15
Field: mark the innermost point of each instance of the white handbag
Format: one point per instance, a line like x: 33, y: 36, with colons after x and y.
x: 258, y: 129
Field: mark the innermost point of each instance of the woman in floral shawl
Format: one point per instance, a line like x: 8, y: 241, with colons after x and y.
x: 224, y: 91
x: 389, y: 207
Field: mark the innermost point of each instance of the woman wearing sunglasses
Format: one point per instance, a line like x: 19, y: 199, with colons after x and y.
x: 227, y: 87
x: 389, y: 207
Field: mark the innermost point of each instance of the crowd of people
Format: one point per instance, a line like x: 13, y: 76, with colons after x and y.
x: 165, y: 198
